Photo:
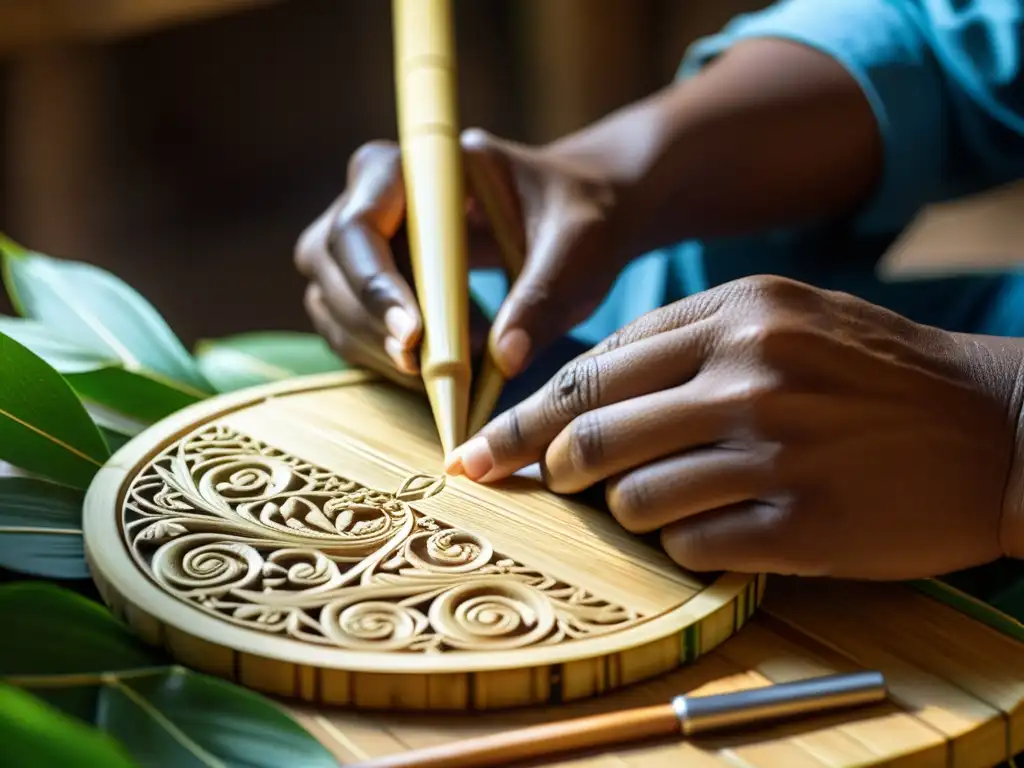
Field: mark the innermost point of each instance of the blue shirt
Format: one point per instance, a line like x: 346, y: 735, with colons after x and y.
x: 944, y: 79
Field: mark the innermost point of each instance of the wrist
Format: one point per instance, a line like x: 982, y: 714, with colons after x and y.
x: 1011, y: 525
x: 996, y: 366
x: 771, y: 134
x: 619, y: 154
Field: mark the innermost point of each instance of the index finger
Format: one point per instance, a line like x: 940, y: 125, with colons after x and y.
x: 367, y: 218
x: 521, y: 435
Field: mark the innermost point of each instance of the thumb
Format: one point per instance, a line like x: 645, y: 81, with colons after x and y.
x: 489, y: 164
x: 551, y: 295
x: 547, y: 298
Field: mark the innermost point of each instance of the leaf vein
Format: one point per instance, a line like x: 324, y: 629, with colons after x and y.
x: 51, y: 438
x: 164, y: 722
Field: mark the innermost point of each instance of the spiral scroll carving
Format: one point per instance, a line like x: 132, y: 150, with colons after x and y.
x: 267, y: 541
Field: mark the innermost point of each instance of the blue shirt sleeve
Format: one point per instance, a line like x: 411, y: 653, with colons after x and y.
x: 944, y: 78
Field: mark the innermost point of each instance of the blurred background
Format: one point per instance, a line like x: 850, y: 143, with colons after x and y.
x: 184, y: 144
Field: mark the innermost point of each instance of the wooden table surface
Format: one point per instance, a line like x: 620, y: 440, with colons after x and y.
x: 956, y: 691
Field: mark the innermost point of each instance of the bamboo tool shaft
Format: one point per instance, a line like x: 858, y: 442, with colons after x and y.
x: 501, y: 217
x: 688, y: 715
x: 425, y: 67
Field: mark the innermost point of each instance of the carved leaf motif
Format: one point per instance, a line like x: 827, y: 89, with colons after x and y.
x: 161, y: 531
x: 419, y: 487
x: 267, y: 541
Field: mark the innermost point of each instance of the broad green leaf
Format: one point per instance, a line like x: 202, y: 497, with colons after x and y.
x: 34, y: 735
x: 115, y: 440
x: 54, y: 348
x: 110, y: 421
x: 143, y: 396
x: 98, y: 311
x: 249, y: 359
x: 77, y: 657
x: 41, y: 528
x: 44, y: 428
x: 180, y: 718
x: 52, y: 631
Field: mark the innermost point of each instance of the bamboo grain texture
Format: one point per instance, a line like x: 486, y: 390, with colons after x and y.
x: 432, y: 169
x: 956, y: 685
x: 956, y: 691
x: 302, y: 540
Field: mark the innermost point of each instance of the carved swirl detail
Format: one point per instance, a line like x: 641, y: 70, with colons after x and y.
x: 269, y: 542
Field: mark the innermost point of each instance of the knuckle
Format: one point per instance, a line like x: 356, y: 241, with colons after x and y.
x: 370, y: 154
x: 641, y: 328
x: 745, y: 392
x: 305, y: 253
x: 628, y: 500
x: 311, y: 305
x: 377, y: 293
x: 689, y: 547
x: 771, y: 285
x: 476, y: 139
x: 586, y: 442
x: 506, y: 435
x: 782, y: 293
x: 771, y: 338
x: 576, y: 388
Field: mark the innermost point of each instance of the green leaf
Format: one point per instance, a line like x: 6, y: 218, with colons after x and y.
x: 115, y: 440
x: 95, y: 310
x: 40, y: 528
x: 54, y: 348
x: 141, y: 396
x: 43, y: 426
x: 101, y: 380
x: 34, y: 735
x: 112, y: 422
x: 52, y: 631
x: 77, y: 657
x: 249, y: 359
x: 181, y: 718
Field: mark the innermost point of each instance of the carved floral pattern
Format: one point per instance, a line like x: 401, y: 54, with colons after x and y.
x: 270, y: 542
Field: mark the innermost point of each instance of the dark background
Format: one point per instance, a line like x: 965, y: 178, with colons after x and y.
x: 187, y: 152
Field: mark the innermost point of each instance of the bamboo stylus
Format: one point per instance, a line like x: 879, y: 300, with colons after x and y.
x: 684, y: 715
x: 425, y: 76
x: 435, y: 204
x: 490, y: 381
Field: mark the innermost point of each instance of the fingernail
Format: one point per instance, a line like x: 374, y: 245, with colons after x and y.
x: 400, y: 325
x: 512, y: 350
x: 453, y: 464
x: 399, y: 356
x: 473, y: 459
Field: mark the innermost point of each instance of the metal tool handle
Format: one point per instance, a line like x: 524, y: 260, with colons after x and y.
x: 700, y: 714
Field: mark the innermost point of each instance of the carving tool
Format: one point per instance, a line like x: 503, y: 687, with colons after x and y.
x: 432, y: 168
x: 503, y: 221
x: 685, y: 715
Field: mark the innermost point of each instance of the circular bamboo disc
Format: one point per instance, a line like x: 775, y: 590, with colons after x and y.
x: 301, y: 539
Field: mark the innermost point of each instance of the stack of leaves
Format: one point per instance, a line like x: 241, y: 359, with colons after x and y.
x: 88, y: 364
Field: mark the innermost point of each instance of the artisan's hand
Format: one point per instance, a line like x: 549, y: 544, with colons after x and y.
x: 361, y: 296
x: 769, y: 426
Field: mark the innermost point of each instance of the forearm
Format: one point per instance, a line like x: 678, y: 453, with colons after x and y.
x: 771, y: 134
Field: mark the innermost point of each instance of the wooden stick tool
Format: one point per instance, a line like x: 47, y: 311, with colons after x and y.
x: 435, y: 204
x: 685, y: 715
x: 433, y: 170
